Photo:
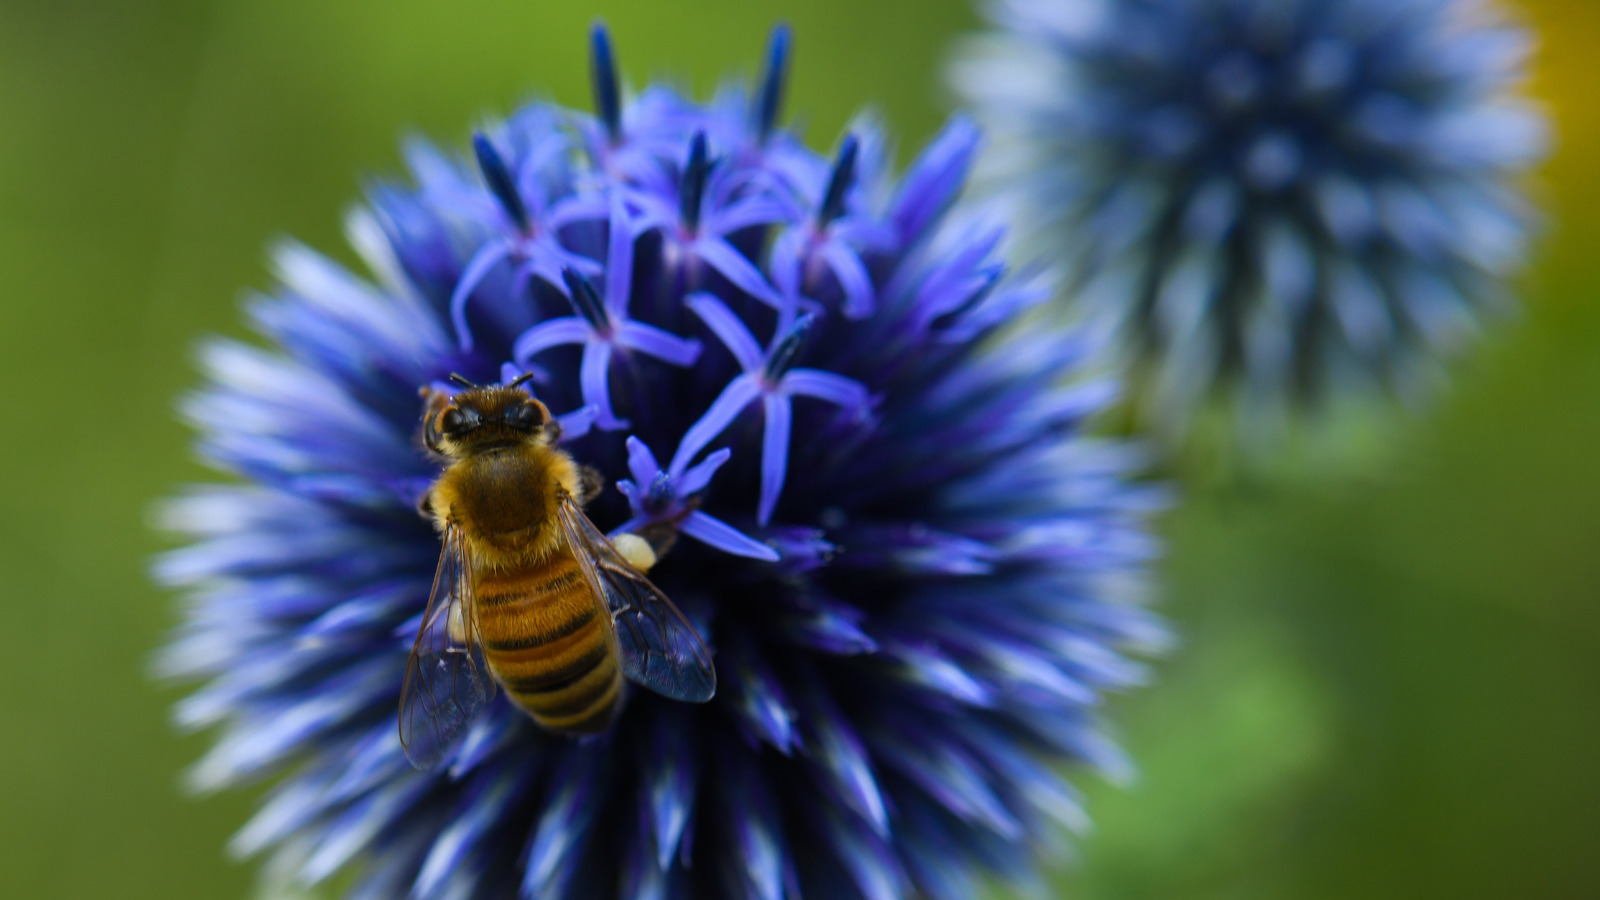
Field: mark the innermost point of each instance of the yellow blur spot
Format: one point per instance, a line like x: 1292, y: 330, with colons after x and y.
x: 636, y: 550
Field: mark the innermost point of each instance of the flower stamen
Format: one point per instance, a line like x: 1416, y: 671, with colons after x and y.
x: 774, y: 80
x: 844, y: 174
x: 783, y: 354
x: 500, y: 182
x: 692, y: 189
x: 586, y: 302
x: 603, y: 81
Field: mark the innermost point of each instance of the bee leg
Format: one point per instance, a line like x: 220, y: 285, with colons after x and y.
x: 434, y: 403
x: 551, y: 432
x: 660, y: 536
x: 425, y: 505
x: 590, y: 484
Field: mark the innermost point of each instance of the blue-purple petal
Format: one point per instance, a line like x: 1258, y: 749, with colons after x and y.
x: 716, y: 533
x: 739, y: 393
x: 728, y: 328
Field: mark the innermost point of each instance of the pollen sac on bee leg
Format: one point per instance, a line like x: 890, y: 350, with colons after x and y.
x: 635, y: 550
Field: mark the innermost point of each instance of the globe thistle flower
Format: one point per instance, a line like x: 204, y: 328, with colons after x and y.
x: 913, y: 569
x: 1276, y: 202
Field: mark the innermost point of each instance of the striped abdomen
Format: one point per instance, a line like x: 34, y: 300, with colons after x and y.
x: 547, y: 641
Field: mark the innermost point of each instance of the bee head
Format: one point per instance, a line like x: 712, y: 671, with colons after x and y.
x: 485, y: 417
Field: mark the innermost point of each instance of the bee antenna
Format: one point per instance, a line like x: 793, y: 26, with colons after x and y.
x: 461, y: 381
x: 519, y: 379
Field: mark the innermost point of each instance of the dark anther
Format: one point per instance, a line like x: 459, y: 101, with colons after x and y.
x: 461, y: 380
x: 603, y: 79
x: 693, y: 187
x: 661, y: 492
x: 499, y: 179
x: 769, y: 100
x: 585, y: 300
x: 844, y: 172
x: 788, y: 349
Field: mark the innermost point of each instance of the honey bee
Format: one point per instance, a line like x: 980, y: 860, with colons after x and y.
x: 529, y: 594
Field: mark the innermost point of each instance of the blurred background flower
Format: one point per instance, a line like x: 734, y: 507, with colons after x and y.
x: 1267, y: 201
x: 1379, y: 689
x: 916, y: 574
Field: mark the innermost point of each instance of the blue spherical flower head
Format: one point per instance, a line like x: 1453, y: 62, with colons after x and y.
x: 913, y: 570
x: 1274, y: 202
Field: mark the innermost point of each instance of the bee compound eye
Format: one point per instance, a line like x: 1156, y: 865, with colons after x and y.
x: 528, y: 416
x: 455, y: 419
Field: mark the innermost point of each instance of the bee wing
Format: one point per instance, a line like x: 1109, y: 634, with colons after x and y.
x: 656, y: 645
x: 447, y: 677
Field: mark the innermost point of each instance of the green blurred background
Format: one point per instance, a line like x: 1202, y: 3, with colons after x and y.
x: 1388, y: 686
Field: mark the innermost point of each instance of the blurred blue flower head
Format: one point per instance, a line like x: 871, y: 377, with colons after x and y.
x: 1269, y: 202
x: 916, y: 574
